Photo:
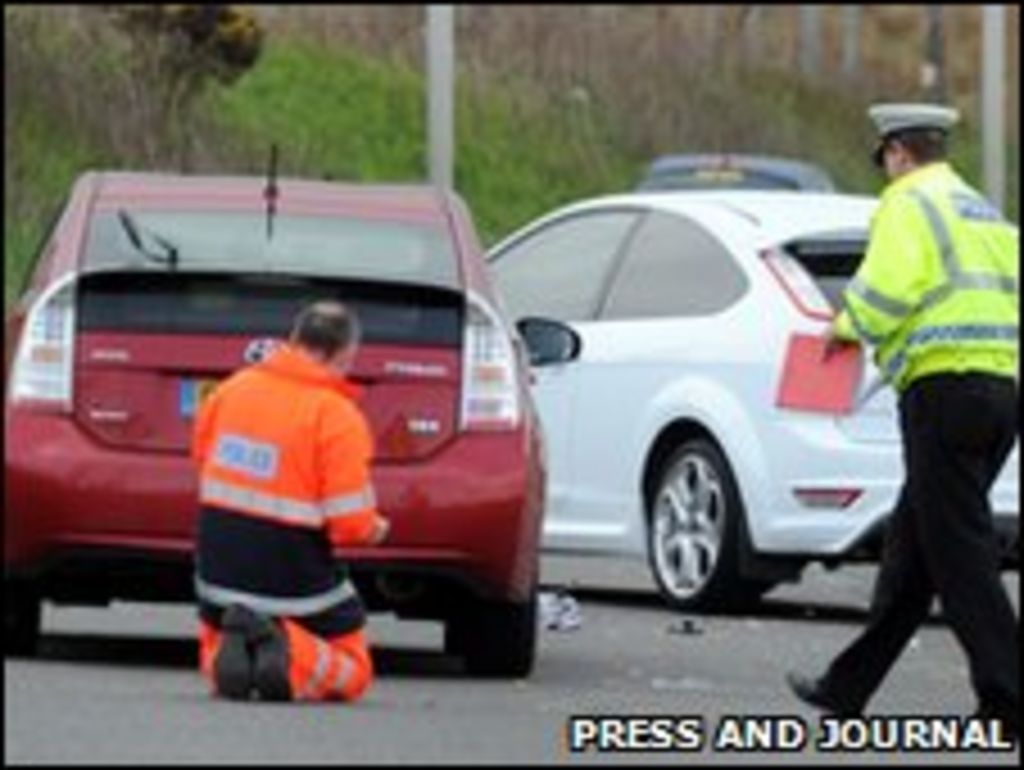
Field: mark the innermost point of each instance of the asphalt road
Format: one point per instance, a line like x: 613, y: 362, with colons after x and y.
x: 118, y: 686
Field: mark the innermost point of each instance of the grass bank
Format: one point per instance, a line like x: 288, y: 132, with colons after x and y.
x: 522, y: 147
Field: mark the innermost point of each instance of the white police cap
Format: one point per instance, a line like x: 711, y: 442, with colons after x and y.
x: 890, y: 118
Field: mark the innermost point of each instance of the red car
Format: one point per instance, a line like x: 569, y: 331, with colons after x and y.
x: 151, y: 288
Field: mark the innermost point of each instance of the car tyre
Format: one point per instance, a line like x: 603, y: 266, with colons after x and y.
x: 696, y: 531
x: 22, y: 617
x: 495, y: 639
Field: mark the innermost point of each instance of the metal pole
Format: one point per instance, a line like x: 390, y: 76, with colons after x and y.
x: 712, y: 24
x: 441, y: 94
x: 933, y: 71
x: 851, y: 40
x: 752, y: 32
x: 993, y: 121
x: 810, y: 40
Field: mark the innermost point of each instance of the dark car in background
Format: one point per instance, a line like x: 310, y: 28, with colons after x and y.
x: 734, y: 172
x: 151, y: 288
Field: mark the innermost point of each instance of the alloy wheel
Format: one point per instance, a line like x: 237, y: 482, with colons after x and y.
x: 689, y: 522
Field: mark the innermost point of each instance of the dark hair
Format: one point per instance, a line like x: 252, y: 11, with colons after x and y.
x: 325, y: 327
x: 925, y: 145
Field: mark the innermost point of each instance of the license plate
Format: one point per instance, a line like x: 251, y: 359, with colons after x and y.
x: 191, y: 393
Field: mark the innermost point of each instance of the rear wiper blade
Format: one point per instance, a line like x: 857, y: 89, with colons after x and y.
x: 135, y: 233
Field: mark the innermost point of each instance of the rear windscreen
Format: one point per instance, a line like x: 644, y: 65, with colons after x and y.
x: 718, y: 178
x: 831, y: 259
x: 147, y: 302
x: 378, y: 249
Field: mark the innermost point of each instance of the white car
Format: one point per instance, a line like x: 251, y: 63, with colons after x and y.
x: 657, y: 326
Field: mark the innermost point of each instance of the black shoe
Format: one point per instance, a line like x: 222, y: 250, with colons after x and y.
x: 232, y: 670
x: 812, y: 691
x: 270, y: 660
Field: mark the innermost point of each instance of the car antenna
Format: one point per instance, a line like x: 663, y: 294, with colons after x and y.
x: 270, y: 192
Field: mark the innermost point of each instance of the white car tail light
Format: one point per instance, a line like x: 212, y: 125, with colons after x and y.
x: 42, y: 371
x: 490, y: 391
x: 827, y: 498
x: 798, y: 285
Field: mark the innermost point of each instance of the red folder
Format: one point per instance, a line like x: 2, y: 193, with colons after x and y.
x: 813, y: 383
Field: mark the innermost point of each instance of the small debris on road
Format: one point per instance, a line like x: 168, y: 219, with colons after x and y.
x: 685, y: 683
x: 686, y: 627
x: 559, y: 611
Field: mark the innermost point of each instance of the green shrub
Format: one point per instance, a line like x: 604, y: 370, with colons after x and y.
x: 523, y: 147
x: 43, y: 161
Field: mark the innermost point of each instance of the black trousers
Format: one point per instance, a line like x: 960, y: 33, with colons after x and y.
x: 957, y: 432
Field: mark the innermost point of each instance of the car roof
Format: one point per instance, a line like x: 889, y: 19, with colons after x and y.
x: 777, y: 216
x: 406, y: 202
x: 769, y: 209
x: 803, y: 173
x: 768, y: 217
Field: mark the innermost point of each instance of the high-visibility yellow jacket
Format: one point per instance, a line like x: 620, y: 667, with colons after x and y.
x: 937, y: 290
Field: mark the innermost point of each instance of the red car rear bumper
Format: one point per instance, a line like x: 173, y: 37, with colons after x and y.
x: 474, y: 508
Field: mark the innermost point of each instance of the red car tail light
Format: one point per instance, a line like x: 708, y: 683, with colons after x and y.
x: 798, y: 285
x: 42, y: 370
x: 490, y: 391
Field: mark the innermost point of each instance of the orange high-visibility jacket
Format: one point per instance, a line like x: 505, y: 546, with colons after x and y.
x: 284, y: 456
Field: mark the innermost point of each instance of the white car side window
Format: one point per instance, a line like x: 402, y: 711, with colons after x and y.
x: 674, y: 267
x: 559, y: 272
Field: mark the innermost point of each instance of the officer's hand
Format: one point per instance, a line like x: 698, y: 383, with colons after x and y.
x: 834, y: 345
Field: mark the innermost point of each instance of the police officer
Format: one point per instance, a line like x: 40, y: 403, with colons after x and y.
x: 937, y: 295
x: 284, y: 452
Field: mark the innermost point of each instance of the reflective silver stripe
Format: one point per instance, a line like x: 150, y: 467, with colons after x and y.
x: 323, y: 662
x: 941, y: 233
x: 862, y: 331
x: 344, y: 505
x: 964, y: 333
x: 895, y: 366
x: 1004, y: 284
x: 937, y: 295
x: 280, y: 606
x: 231, y: 495
x: 972, y: 281
x: 878, y: 300
x: 344, y: 675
